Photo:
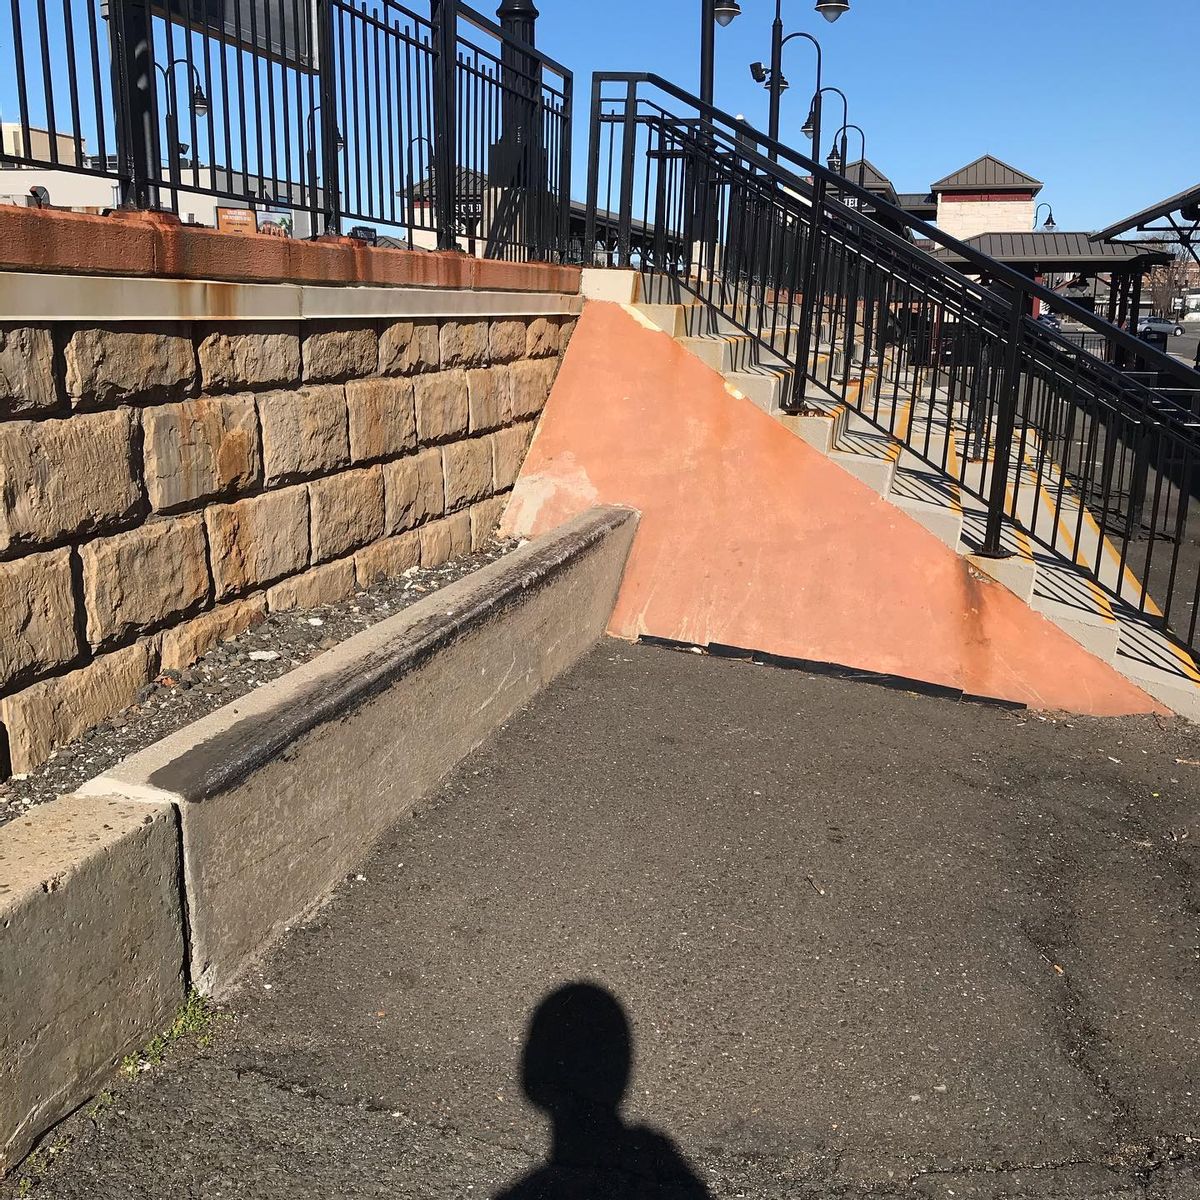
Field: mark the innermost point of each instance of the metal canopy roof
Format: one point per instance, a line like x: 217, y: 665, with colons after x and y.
x: 1156, y: 212
x: 1057, y: 251
x: 987, y: 174
x: 918, y: 201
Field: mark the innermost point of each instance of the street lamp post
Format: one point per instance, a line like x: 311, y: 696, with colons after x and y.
x: 841, y: 157
x: 198, y: 104
x: 1049, y: 223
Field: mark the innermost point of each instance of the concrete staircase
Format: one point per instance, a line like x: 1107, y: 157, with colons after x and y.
x: 864, y: 430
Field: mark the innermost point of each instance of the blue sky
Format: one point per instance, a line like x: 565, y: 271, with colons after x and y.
x: 1100, y: 99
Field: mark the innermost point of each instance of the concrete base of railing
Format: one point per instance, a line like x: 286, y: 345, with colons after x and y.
x: 180, y: 865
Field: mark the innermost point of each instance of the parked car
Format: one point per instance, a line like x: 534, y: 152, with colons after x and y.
x: 1051, y: 321
x: 1159, y: 325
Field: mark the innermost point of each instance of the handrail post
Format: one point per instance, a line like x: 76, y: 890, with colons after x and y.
x: 327, y: 88
x: 1002, y: 438
x: 628, y: 145
x: 133, y: 91
x: 593, y: 177
x: 444, y: 18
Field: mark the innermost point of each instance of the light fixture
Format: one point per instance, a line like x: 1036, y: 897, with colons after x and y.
x: 758, y: 72
x: 835, y: 160
x: 1049, y: 222
x: 339, y: 145
x: 199, y: 101
x: 810, y: 126
x: 783, y: 84
x: 832, y: 9
x: 726, y: 10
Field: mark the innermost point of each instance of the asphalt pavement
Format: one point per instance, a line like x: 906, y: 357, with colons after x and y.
x: 729, y: 931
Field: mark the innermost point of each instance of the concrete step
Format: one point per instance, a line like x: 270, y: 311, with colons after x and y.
x: 945, y: 523
x: 1147, y: 657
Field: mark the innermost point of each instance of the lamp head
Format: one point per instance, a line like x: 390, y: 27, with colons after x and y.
x: 726, y: 10
x: 810, y: 126
x: 832, y: 9
x: 199, y: 101
x: 1049, y: 223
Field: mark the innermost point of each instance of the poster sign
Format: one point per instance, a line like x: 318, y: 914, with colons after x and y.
x: 237, y: 220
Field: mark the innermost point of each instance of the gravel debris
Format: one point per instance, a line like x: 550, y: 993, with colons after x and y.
x: 230, y: 670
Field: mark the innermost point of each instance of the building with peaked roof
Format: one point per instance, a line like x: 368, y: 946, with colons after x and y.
x: 985, y: 196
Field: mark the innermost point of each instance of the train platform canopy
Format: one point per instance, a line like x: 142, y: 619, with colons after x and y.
x: 1040, y: 252
x: 1175, y: 219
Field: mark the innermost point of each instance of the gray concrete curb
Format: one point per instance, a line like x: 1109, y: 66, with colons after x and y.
x: 91, y: 952
x: 179, y: 866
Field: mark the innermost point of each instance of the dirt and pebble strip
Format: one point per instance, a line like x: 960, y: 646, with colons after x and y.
x: 280, y: 643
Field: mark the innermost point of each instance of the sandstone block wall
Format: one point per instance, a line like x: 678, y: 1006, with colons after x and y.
x: 164, y: 487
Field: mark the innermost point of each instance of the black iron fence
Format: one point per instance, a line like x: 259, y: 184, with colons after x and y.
x: 435, y: 127
x: 1095, y: 454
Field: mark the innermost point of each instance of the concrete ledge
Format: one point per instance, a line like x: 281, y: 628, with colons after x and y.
x: 281, y: 793
x: 91, y: 952
x: 40, y: 296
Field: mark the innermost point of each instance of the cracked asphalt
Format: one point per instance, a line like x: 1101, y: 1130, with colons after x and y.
x: 867, y: 944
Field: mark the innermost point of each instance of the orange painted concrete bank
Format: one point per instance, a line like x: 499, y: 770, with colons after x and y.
x: 157, y: 244
x: 751, y: 538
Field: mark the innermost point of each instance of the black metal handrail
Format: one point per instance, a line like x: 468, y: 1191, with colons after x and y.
x: 757, y: 148
x: 436, y: 127
x: 1094, y: 457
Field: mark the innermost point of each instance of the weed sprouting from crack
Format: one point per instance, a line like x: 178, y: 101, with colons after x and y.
x: 195, y: 1022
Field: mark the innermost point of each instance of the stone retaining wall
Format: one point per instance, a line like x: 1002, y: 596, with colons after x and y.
x: 163, y: 487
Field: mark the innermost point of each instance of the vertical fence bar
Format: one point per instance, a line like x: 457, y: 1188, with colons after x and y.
x: 327, y: 83
x: 444, y: 18
x: 133, y: 86
x: 1006, y: 417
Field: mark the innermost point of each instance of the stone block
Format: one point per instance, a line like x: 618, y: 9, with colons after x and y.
x: 467, y: 467
x: 464, y: 343
x: 409, y: 348
x: 185, y: 643
x: 328, y: 584
x: 531, y: 383
x: 445, y: 539
x: 137, y: 580
x: 414, y: 490
x: 304, y: 433
x: 111, y: 366
x: 200, y: 449
x: 506, y: 341
x: 565, y: 330
x: 56, y: 711
x: 27, y: 377
x: 382, y: 418
x: 345, y: 512
x: 91, y: 952
x: 236, y: 358
x: 485, y: 519
x: 61, y: 478
x: 542, y: 338
x: 489, y: 396
x: 443, y: 408
x: 257, y: 541
x: 37, y: 615
x: 509, y: 447
x: 387, y: 558
x: 337, y: 354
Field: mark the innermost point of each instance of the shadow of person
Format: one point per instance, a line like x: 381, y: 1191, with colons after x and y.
x: 576, y: 1066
